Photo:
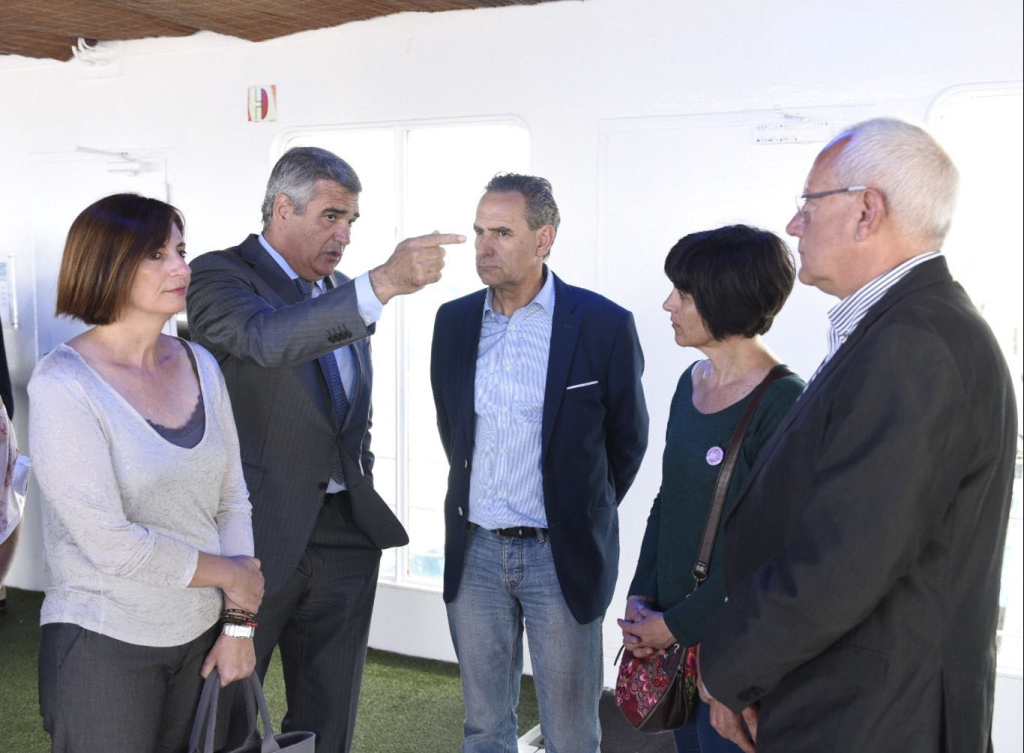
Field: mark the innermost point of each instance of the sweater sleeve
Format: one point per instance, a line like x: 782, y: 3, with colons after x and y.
x: 645, y: 579
x: 72, y: 459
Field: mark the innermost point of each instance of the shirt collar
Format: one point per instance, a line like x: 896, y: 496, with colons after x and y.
x: 282, y: 263
x: 545, y: 297
x: 848, y: 313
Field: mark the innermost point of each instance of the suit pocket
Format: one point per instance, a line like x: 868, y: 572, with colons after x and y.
x: 59, y: 640
x: 583, y: 401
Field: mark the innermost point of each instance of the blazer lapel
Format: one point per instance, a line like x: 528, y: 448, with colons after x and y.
x: 565, y: 330
x: 254, y: 253
x: 284, y: 287
x: 359, y: 400
x: 465, y: 367
x: 927, y: 273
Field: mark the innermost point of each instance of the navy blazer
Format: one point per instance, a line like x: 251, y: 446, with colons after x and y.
x: 862, y: 556
x: 251, y: 316
x: 592, y: 438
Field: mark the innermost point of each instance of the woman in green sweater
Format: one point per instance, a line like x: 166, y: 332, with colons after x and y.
x: 727, y: 286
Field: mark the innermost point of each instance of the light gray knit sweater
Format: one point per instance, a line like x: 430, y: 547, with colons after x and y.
x: 126, y: 512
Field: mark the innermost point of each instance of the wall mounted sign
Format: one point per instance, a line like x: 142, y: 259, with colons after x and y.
x: 262, y: 103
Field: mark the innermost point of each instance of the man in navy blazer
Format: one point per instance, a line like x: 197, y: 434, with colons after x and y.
x: 542, y: 416
x: 863, y: 554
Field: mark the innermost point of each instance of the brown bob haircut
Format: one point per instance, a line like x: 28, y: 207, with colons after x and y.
x: 105, y: 245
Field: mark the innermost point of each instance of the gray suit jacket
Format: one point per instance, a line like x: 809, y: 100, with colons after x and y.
x: 250, y: 315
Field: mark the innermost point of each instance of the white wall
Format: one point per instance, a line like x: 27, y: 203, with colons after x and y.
x: 600, y: 84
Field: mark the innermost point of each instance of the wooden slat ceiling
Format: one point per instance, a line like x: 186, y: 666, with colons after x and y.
x: 49, y: 28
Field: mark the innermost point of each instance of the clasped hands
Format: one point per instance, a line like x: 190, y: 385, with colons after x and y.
x: 644, y: 631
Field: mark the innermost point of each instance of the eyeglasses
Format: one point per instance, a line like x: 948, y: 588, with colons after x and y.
x: 802, y: 199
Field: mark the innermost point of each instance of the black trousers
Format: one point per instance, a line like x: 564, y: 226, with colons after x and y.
x: 321, y: 621
x: 98, y: 694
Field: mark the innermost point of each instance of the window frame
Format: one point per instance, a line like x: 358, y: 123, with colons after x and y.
x: 399, y: 572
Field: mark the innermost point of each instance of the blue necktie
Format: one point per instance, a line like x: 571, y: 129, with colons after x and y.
x: 330, y: 367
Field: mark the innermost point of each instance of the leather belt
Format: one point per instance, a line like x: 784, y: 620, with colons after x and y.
x: 516, y: 532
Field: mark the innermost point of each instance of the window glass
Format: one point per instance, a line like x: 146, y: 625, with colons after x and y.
x: 416, y: 179
x: 447, y: 168
x: 983, y: 132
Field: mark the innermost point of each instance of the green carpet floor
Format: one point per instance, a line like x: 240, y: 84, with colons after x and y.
x: 408, y: 705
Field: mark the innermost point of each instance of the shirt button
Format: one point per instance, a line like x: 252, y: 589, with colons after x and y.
x: 501, y: 493
x: 508, y: 367
x: 504, y: 409
x: 501, y: 450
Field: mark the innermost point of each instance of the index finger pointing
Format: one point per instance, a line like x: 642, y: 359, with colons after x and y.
x: 441, y: 239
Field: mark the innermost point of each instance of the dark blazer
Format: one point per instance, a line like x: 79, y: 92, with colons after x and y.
x: 863, y: 557
x: 251, y: 316
x: 592, y: 438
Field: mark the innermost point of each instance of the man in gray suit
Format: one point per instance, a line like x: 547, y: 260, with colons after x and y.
x: 291, y: 337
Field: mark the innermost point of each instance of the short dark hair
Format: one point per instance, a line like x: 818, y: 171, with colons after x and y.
x: 541, y: 208
x: 105, y: 245
x: 739, y: 277
x: 296, y: 173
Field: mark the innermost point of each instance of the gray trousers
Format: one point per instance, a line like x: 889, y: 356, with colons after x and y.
x: 321, y: 621
x: 98, y: 694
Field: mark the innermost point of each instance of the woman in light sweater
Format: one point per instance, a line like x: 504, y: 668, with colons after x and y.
x: 146, y: 514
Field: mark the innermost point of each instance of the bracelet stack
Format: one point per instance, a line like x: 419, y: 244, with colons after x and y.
x: 237, y: 623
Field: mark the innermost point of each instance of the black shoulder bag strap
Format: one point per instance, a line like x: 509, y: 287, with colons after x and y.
x: 707, y: 542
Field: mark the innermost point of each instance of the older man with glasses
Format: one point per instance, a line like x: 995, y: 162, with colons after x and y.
x: 863, y: 555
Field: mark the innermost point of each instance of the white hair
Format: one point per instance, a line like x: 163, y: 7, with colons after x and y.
x: 915, y: 175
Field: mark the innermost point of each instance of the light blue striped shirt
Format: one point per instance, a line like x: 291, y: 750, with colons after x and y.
x: 848, y: 313
x: 506, y: 485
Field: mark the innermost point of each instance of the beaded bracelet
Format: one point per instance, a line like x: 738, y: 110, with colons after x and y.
x: 238, y: 617
x: 238, y: 613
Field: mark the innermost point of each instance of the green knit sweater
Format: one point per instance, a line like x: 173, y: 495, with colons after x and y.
x: 676, y: 522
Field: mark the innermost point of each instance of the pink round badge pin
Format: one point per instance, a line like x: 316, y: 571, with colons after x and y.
x: 714, y: 455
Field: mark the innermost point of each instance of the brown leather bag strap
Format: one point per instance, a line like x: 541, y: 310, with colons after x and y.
x: 707, y: 542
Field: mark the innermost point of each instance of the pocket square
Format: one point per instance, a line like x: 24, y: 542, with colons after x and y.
x: 581, y: 384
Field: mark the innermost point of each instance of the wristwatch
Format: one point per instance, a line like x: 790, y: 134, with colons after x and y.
x: 238, y: 631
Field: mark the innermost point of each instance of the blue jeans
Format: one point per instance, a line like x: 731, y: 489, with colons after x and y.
x: 698, y: 736
x: 509, y: 583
